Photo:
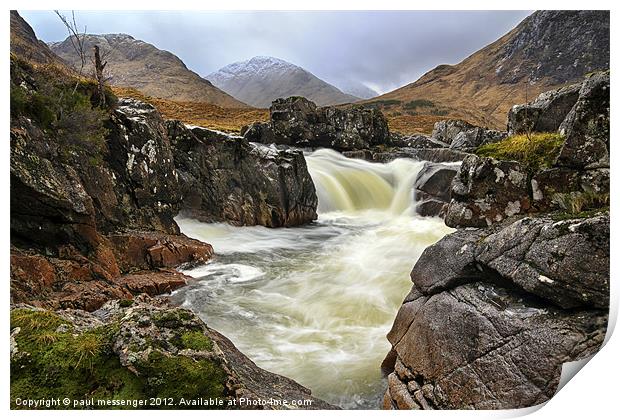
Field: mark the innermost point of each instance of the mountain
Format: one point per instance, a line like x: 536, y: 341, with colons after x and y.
x: 546, y: 50
x: 25, y: 44
x: 357, y: 89
x: 154, y: 72
x: 261, y: 80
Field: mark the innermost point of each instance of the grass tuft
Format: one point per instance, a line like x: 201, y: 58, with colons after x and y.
x: 536, y: 151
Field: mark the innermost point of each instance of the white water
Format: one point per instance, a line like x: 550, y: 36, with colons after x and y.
x: 314, y: 303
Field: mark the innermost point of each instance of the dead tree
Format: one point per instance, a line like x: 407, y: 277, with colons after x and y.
x: 99, y: 67
x: 77, y: 40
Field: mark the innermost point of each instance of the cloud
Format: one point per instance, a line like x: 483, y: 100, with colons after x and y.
x: 383, y: 49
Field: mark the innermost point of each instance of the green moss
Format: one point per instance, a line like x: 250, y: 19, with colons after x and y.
x: 581, y: 215
x: 125, y: 303
x: 196, y: 340
x: 55, y: 362
x: 182, y: 377
x: 535, y: 151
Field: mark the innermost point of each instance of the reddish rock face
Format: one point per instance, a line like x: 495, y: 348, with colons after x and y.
x: 150, y: 250
x: 153, y: 282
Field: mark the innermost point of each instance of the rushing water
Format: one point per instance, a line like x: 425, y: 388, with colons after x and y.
x: 314, y: 303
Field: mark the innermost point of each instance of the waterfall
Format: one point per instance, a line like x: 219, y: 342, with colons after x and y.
x: 353, y: 185
x: 315, y: 302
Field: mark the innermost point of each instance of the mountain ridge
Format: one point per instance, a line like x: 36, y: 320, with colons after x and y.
x: 138, y: 64
x: 260, y: 80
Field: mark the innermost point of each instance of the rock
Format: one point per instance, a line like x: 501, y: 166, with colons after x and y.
x: 446, y: 131
x: 417, y: 141
x: 152, y: 250
x: 495, y: 312
x: 586, y: 126
x: 485, y: 191
x: 432, y: 188
x: 153, y: 283
x: 157, y: 350
x: 565, y: 188
x: 146, y: 181
x: 494, y: 350
x: 436, y: 155
x: 225, y: 178
x: 564, y: 262
x: 297, y: 121
x: 545, y: 113
x: 470, y: 140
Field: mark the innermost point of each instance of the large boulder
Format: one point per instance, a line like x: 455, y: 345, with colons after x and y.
x: 495, y: 312
x: 545, y: 113
x: 432, y: 188
x: 225, y: 178
x: 463, y: 136
x: 297, y: 121
x: 586, y: 126
x: 143, y: 350
x: 485, y: 191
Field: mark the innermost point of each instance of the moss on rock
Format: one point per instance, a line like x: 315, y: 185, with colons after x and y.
x: 535, y: 150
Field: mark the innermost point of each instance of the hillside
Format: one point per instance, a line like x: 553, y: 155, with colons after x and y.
x: 140, y: 65
x: 548, y: 49
x: 261, y: 80
x: 25, y: 44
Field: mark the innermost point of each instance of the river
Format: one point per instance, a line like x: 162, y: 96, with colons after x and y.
x: 314, y: 303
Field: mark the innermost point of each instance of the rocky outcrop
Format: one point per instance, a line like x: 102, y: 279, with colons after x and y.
x: 432, y: 188
x: 586, y: 126
x: 225, y: 178
x: 297, y: 121
x: 545, y: 113
x: 486, y: 190
x: 461, y: 135
x: 494, y: 313
x: 141, y: 349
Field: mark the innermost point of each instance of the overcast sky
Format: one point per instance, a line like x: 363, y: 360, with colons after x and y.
x: 382, y: 49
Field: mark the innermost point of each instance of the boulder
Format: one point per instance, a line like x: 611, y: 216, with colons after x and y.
x: 485, y: 191
x: 446, y: 131
x: 586, y: 126
x: 495, y: 312
x: 137, y: 250
x: 545, y: 113
x: 296, y: 121
x: 417, y: 141
x: 436, y: 155
x: 470, y: 140
x: 225, y: 178
x: 432, y: 188
x: 160, y: 352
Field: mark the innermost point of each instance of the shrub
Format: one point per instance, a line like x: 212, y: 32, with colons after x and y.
x: 536, y: 151
x: 418, y: 103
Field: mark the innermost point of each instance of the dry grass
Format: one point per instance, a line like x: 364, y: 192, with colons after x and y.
x: 537, y: 150
x: 199, y: 113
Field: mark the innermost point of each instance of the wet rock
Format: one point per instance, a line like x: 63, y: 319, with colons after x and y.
x: 436, y: 155
x: 417, y: 141
x: 225, y: 178
x: 545, y: 113
x: 153, y: 283
x: 432, y: 188
x: 151, y: 250
x: 586, y: 126
x: 485, y: 191
x: 298, y: 122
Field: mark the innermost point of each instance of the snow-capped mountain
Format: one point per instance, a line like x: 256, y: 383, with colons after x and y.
x: 260, y: 80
